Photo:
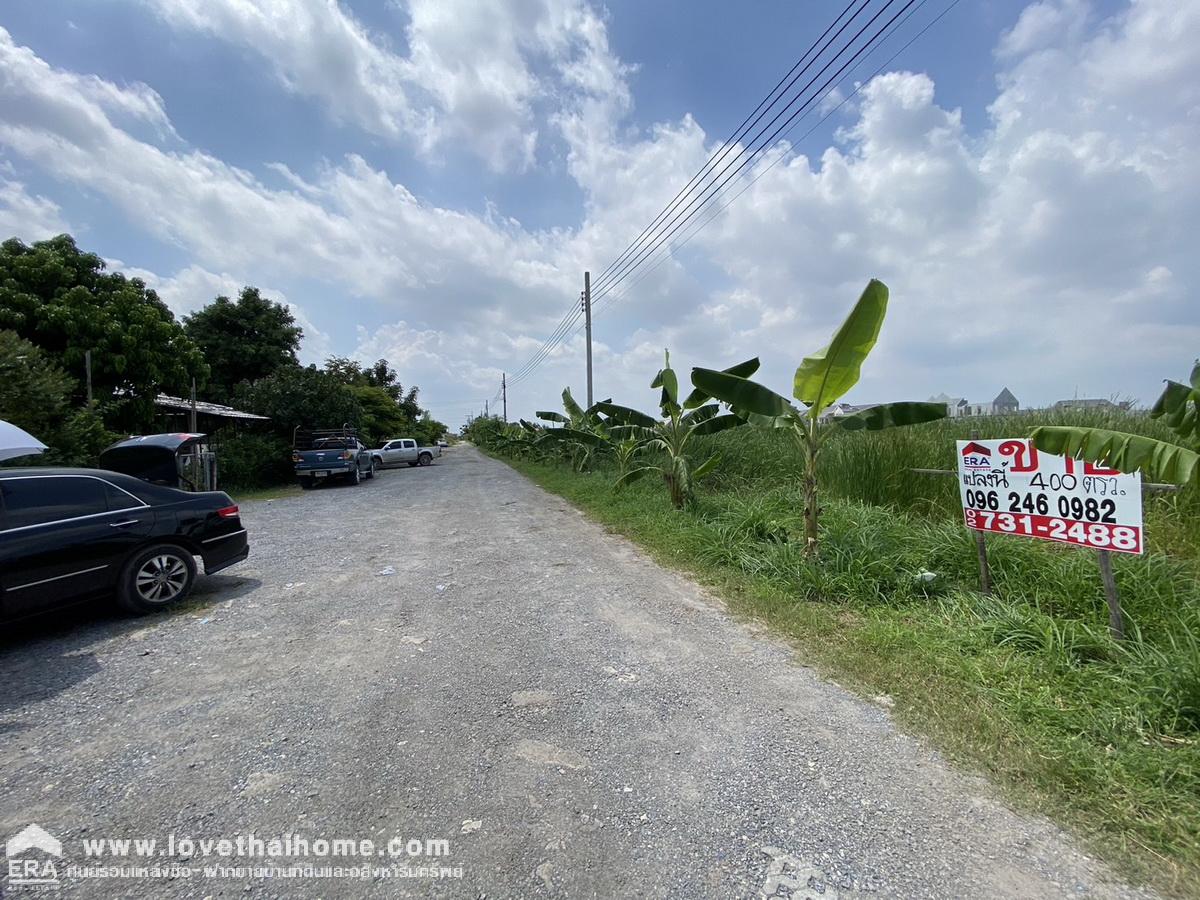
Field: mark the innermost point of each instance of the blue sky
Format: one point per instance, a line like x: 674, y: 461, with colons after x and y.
x: 427, y: 181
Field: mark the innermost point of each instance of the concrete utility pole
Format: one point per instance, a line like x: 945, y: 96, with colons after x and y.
x: 504, y: 394
x: 486, y: 413
x: 587, y: 314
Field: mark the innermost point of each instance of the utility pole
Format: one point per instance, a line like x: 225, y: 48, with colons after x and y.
x: 486, y: 413
x: 504, y: 393
x: 587, y: 314
x: 193, y: 417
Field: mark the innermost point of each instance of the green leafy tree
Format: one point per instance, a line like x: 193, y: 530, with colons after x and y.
x: 243, y: 340
x: 381, y: 418
x: 305, y: 397
x: 74, y: 436
x: 26, y: 373
x: 673, y: 435
x: 63, y: 300
x: 1173, y: 463
x: 821, y: 380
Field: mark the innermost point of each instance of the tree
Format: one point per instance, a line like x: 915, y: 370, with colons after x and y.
x: 1175, y: 463
x: 369, y: 382
x: 243, y: 341
x: 304, y: 397
x: 63, y: 300
x: 382, y: 419
x: 35, y: 395
x: 821, y: 380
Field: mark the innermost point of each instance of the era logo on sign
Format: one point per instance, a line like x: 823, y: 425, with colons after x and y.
x: 976, y: 456
x: 25, y: 869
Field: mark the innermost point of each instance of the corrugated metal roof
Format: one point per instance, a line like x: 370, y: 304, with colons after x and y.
x: 209, y: 409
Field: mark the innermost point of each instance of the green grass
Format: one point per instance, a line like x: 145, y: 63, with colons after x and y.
x: 1026, y: 687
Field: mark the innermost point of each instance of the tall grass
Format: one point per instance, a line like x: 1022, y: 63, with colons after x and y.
x: 875, y: 467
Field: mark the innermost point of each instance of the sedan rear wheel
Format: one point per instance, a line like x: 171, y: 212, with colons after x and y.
x: 155, y: 577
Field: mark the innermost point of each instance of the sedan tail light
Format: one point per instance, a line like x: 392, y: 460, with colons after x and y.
x: 229, y: 512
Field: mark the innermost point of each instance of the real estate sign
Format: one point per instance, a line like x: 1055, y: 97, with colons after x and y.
x: 1008, y: 486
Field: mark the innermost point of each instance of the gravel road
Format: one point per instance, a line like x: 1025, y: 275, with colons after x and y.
x: 572, y: 719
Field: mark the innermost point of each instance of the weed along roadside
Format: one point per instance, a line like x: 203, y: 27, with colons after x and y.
x: 878, y: 583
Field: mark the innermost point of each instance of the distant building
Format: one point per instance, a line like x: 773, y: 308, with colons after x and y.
x: 838, y: 410
x: 1089, y: 403
x: 1005, y: 403
x: 957, y: 407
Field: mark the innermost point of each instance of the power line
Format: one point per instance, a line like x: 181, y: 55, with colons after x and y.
x: 559, y: 332
x: 731, y: 141
x: 695, y: 229
x: 625, y: 265
x: 563, y: 330
x: 691, y: 210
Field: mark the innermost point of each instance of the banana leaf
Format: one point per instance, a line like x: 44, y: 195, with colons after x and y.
x: 1179, y: 407
x: 634, y: 474
x: 549, y: 416
x: 705, y: 467
x: 703, y: 414
x: 669, y: 383
x: 718, y: 423
x: 830, y: 372
x: 743, y: 370
x: 743, y: 395
x: 625, y: 415
x: 574, y: 410
x: 1158, y: 460
x: 891, y: 415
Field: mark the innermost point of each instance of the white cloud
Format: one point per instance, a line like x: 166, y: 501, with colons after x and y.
x: 30, y: 217
x: 473, y: 74
x: 194, y: 287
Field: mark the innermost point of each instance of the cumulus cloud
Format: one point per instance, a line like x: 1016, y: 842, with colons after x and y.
x: 472, y: 75
x: 194, y: 287
x: 29, y: 216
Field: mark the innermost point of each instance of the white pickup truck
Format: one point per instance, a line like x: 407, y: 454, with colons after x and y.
x: 405, y: 450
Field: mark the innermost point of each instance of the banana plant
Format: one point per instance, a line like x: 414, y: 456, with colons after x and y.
x: 672, y: 434
x: 583, y: 434
x: 1173, y: 463
x: 820, y: 381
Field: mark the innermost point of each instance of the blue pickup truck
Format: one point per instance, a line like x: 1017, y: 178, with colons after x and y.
x: 325, y: 454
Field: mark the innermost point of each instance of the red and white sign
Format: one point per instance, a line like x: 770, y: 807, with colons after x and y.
x: 1008, y: 486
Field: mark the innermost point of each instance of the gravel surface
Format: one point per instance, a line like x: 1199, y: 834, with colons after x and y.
x: 573, y: 719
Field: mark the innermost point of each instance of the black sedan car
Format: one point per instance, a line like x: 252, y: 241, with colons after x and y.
x: 69, y: 534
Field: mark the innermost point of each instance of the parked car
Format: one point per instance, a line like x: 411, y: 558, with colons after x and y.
x: 443, y: 443
x: 69, y: 534
x: 405, y: 450
x: 326, y: 454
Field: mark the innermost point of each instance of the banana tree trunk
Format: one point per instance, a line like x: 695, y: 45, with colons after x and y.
x: 676, y: 489
x: 811, y: 508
